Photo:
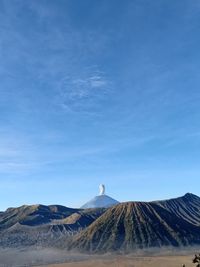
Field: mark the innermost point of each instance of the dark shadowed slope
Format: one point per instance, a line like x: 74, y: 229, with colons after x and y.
x: 137, y: 225
x: 33, y: 215
x: 42, y: 225
x: 186, y: 207
x: 82, y: 218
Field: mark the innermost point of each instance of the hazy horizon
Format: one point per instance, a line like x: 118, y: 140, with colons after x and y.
x: 98, y: 92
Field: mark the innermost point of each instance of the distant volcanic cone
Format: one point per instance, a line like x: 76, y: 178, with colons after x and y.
x: 100, y: 201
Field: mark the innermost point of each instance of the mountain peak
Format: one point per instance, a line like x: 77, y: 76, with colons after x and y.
x: 133, y: 225
x: 190, y: 196
x: 100, y: 201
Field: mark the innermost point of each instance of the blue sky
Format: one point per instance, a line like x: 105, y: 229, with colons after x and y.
x: 98, y: 92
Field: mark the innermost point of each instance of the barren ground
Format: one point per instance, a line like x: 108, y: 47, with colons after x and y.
x: 131, y: 261
x: 41, y: 257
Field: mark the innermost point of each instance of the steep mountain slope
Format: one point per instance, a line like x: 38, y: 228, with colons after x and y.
x: 33, y: 215
x: 186, y: 207
x: 122, y: 227
x: 82, y: 218
x: 42, y: 225
x: 101, y: 201
x: 138, y: 224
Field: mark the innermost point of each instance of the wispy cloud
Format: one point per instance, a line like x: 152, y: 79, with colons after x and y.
x: 81, y: 91
x: 55, y: 57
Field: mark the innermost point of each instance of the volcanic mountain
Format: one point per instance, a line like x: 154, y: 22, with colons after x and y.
x: 122, y: 227
x: 133, y: 225
x: 30, y: 225
x: 101, y: 201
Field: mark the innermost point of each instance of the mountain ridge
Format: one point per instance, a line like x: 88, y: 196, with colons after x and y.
x: 131, y: 225
x: 123, y: 227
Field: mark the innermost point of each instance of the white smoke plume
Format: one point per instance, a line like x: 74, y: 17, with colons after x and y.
x: 102, y: 189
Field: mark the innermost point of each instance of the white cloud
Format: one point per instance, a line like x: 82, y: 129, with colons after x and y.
x: 97, y: 81
x: 81, y: 91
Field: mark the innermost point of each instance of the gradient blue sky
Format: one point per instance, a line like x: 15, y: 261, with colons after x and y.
x: 98, y: 91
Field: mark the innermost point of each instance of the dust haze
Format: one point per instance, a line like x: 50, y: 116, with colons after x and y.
x: 50, y: 257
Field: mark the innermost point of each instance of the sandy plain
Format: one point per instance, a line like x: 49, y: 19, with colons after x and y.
x: 132, y: 261
x: 41, y: 257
